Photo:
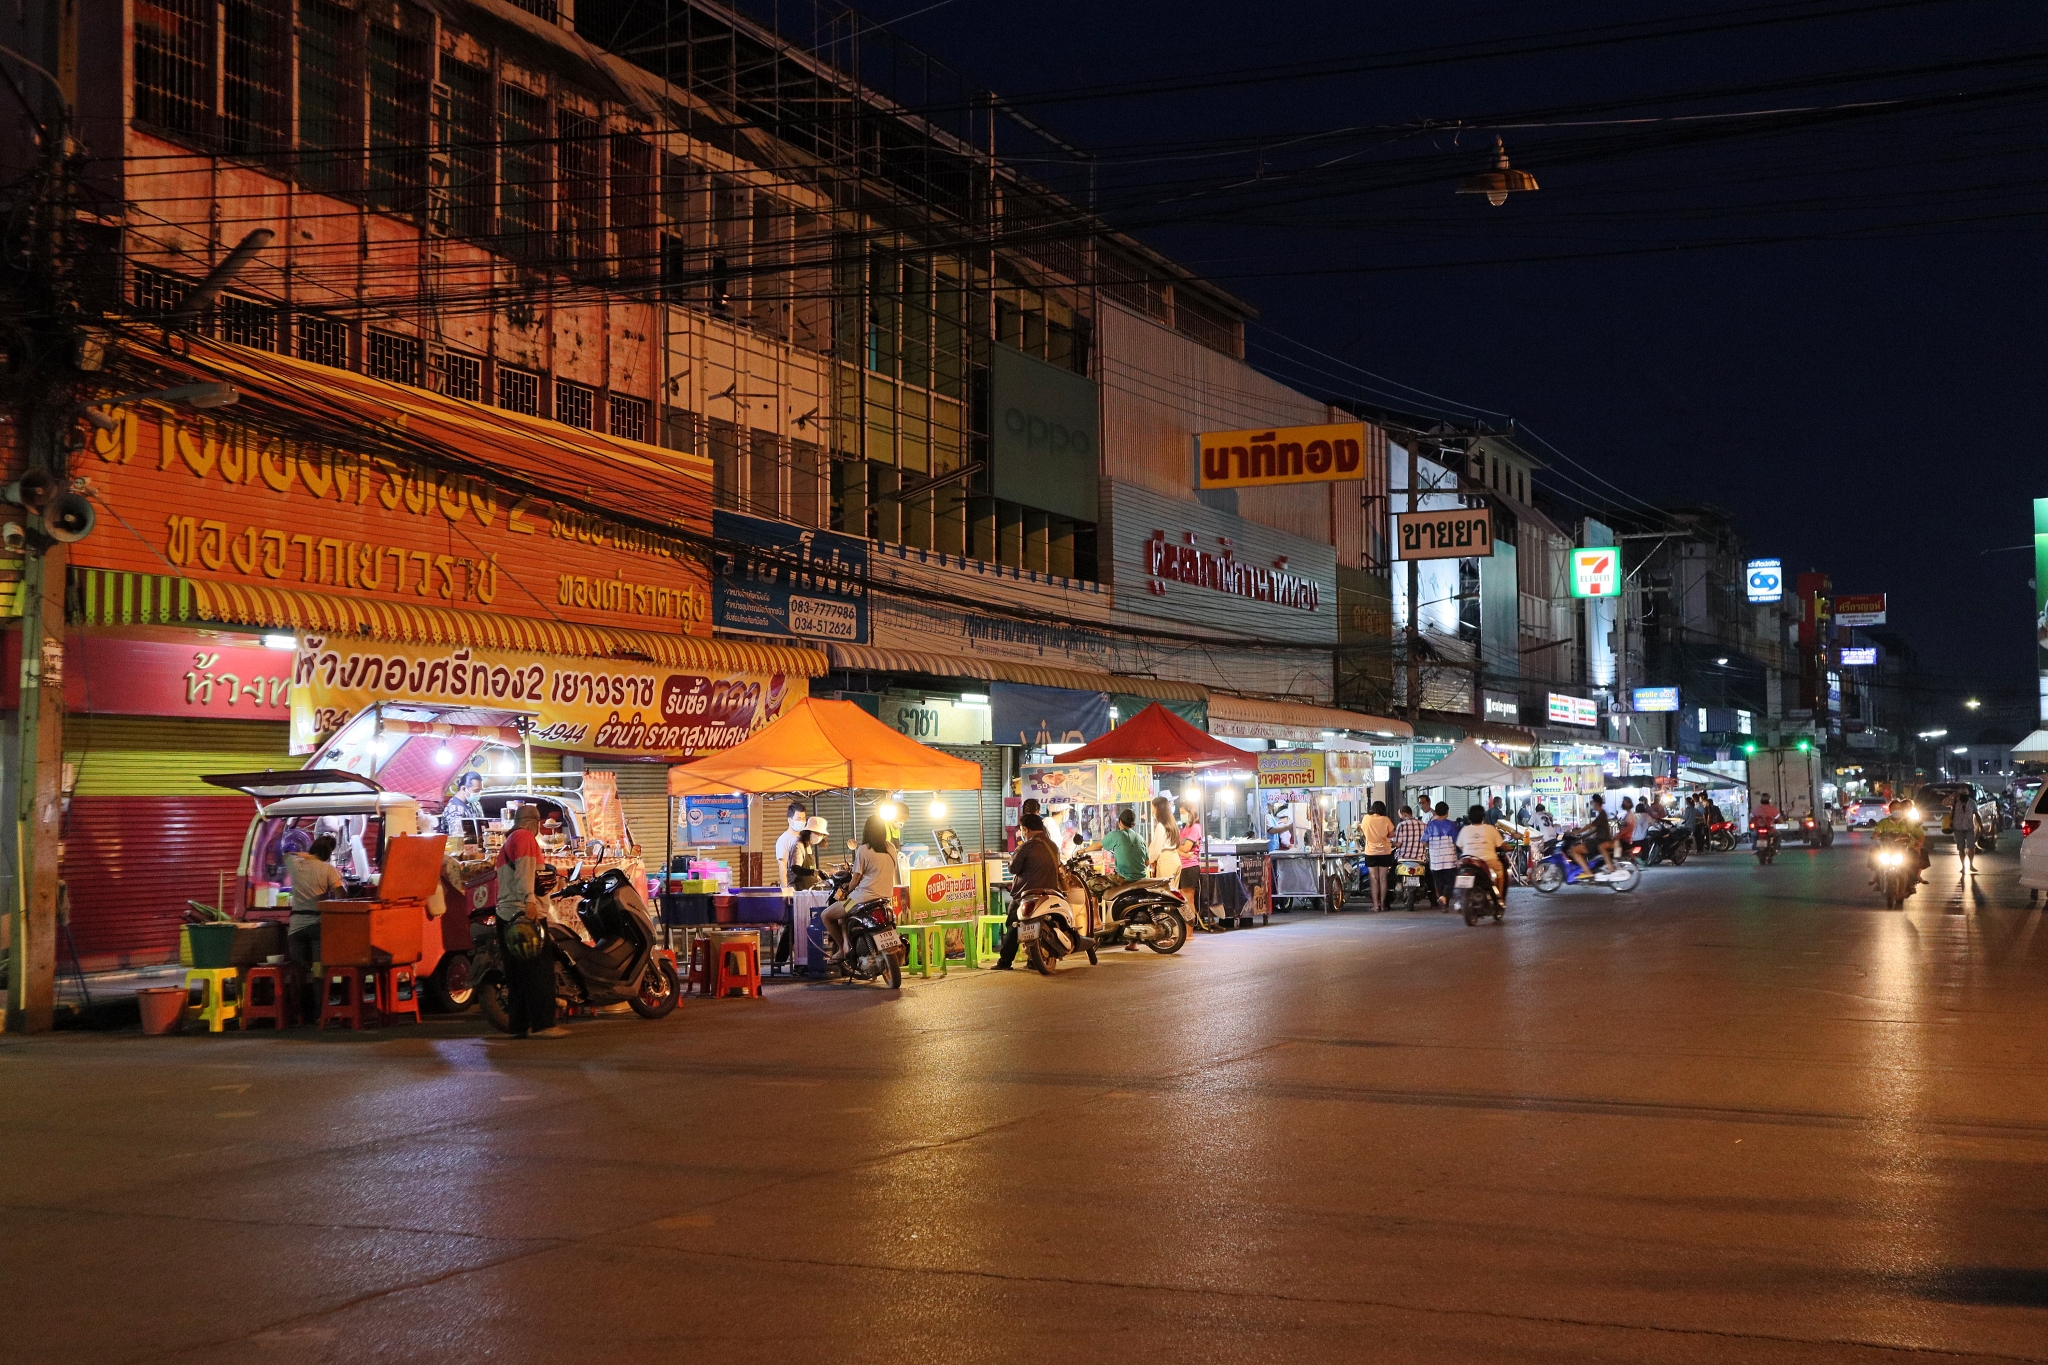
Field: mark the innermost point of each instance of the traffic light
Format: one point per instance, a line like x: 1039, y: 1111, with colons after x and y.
x: 1805, y: 746
x: 1750, y: 747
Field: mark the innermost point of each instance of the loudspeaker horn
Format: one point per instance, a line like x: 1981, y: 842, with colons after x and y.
x: 68, y: 518
x: 31, y: 490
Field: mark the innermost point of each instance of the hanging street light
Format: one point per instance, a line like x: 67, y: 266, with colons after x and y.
x: 1498, y: 183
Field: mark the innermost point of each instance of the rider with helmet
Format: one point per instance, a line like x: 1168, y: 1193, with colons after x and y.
x: 1899, y: 823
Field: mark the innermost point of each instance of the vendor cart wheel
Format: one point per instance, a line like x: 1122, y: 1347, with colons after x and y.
x: 660, y: 989
x: 1173, y: 932
x: 450, y: 989
x: 496, y: 1002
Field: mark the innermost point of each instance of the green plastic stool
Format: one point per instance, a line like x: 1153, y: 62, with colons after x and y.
x: 988, y: 936
x: 971, y: 950
x: 924, y: 947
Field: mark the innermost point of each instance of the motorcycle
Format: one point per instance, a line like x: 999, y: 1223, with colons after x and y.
x: 1558, y: 870
x: 625, y: 961
x: 1764, y: 838
x: 1473, y: 894
x: 1130, y: 913
x: 874, y: 951
x: 1411, y: 878
x: 1046, y: 932
x: 1898, y: 870
x: 1668, y: 842
x: 1721, y: 836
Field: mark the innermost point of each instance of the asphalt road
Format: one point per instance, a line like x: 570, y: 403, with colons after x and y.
x: 1743, y: 1114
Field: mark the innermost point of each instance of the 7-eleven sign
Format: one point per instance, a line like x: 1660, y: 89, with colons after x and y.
x: 1596, y: 573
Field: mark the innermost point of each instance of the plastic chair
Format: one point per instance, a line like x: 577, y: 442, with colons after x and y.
x: 219, y: 997
x: 271, y: 994
x: 970, y: 948
x: 988, y: 936
x: 736, y: 966
x: 924, y: 947
x: 398, y: 994
x: 697, y: 969
x: 349, y: 996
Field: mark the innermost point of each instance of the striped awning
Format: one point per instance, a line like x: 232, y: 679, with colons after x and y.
x: 106, y: 598
x: 875, y: 659
x: 1253, y: 717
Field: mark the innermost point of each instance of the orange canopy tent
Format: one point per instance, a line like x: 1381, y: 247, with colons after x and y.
x: 821, y: 745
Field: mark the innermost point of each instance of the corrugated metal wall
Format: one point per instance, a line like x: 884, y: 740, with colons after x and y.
x: 152, y: 756
x: 918, y: 824
x: 131, y: 862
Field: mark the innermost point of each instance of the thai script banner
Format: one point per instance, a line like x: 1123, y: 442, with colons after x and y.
x: 792, y: 580
x: 587, y: 706
x: 217, y: 500
x: 1249, y: 459
x: 946, y: 892
x: 1290, y: 768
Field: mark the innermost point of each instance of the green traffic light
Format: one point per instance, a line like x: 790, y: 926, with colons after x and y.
x: 1750, y: 747
x: 1805, y: 746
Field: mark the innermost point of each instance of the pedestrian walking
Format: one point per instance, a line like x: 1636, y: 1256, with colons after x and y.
x: 523, y: 934
x: 1376, y: 832
x: 1442, y: 835
x: 1962, y: 823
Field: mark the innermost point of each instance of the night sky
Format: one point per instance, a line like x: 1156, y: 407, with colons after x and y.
x: 1859, y: 399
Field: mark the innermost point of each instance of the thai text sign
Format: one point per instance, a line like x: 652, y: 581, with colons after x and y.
x: 946, y: 892
x: 1250, y: 459
x: 1088, y: 784
x: 788, y: 580
x: 1565, y: 710
x: 1866, y: 609
x: 712, y: 820
x: 1292, y: 768
x: 1763, y: 580
x: 109, y: 675
x: 589, y: 706
x: 1461, y: 533
x: 218, y: 500
x: 1574, y: 781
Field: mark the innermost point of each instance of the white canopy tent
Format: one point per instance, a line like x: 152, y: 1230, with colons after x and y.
x: 2032, y: 749
x: 1466, y: 767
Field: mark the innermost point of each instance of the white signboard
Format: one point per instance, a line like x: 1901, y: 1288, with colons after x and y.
x: 1764, y: 579
x: 1566, y: 710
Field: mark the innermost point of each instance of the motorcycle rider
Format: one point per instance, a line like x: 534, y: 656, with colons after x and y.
x: 1480, y: 840
x: 874, y: 878
x: 1596, y: 832
x: 1034, y: 867
x: 1763, y: 821
x: 1898, y: 824
x: 522, y: 932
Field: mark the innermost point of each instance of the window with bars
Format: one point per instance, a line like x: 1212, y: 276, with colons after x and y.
x: 462, y: 376
x: 519, y: 391
x: 324, y: 341
x: 400, y: 67
x: 255, y: 114
x: 248, y: 322
x: 628, y: 418
x: 523, y: 173
x: 174, y: 66
x: 633, y: 205
x: 575, y: 404
x: 394, y: 357
x: 157, y: 293
x: 330, y: 131
x: 582, y: 148
x: 471, y: 148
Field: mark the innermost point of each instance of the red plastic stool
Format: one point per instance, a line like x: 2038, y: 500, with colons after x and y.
x: 271, y: 995
x: 697, y: 973
x: 743, y: 979
x: 349, y: 996
x: 398, y: 994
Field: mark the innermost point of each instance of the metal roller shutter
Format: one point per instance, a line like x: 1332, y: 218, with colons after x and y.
x: 151, y: 756
x: 960, y: 808
x: 131, y: 862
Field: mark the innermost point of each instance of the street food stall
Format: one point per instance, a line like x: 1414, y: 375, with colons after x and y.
x: 1309, y: 799
x: 818, y: 746
x: 1080, y: 801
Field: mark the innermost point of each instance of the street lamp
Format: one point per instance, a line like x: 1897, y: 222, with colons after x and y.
x: 1973, y: 703
x: 1498, y: 183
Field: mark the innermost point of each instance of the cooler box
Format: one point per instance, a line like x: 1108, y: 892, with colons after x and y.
x: 388, y: 930
x: 233, y: 945
x: 758, y: 905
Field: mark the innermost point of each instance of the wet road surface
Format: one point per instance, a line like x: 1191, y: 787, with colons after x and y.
x: 1743, y: 1114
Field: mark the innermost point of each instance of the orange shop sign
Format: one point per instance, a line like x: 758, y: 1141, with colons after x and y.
x: 1250, y: 459
x: 218, y: 500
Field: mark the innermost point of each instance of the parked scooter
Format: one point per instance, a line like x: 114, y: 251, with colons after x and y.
x: 1764, y: 837
x: 1557, y: 870
x: 1668, y: 842
x: 1130, y: 913
x: 1046, y: 930
x: 1411, y: 880
x: 1473, y: 894
x: 625, y: 961
x: 874, y: 950
x: 1721, y: 836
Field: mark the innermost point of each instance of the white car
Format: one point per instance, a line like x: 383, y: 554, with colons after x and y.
x: 1867, y: 811
x: 2034, y: 846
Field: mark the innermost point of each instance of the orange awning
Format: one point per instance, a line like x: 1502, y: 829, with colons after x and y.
x: 820, y: 745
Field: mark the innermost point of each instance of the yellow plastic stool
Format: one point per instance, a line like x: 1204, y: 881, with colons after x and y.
x: 988, y: 936
x: 970, y: 950
x: 219, y: 997
x: 924, y: 948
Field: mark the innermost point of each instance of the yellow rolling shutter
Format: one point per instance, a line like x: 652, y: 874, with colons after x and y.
x: 151, y: 756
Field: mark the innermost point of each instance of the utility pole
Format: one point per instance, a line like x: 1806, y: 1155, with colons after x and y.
x: 1414, y: 651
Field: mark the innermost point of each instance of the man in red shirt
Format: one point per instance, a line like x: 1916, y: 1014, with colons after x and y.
x: 522, y: 923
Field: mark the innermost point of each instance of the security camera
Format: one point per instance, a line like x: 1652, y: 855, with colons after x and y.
x: 101, y: 420
x: 12, y: 538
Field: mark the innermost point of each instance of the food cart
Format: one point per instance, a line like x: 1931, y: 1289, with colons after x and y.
x: 1309, y: 798
x: 1081, y: 800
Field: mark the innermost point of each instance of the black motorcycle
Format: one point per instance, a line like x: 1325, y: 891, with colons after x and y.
x: 626, y: 961
x: 1473, y: 894
x: 874, y: 951
x: 1131, y: 913
x: 1668, y: 842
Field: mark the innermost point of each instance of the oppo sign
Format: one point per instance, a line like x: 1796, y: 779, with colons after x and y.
x: 1764, y: 579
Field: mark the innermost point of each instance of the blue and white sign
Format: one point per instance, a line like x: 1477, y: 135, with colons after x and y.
x: 1656, y: 698
x: 772, y: 578
x: 1765, y: 580
x: 1860, y: 657
x: 715, y: 819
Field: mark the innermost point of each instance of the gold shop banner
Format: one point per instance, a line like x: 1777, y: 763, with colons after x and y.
x: 604, y: 707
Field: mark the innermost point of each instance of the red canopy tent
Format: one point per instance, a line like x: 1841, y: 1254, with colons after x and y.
x: 1159, y: 737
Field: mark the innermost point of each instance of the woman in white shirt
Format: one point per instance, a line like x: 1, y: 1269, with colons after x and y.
x: 1162, y: 850
x: 1482, y: 841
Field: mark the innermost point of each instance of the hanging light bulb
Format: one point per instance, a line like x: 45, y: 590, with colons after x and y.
x: 444, y: 755
x: 1498, y: 183
x: 937, y: 809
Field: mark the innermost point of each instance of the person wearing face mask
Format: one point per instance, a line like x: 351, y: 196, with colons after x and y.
x: 786, y: 843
